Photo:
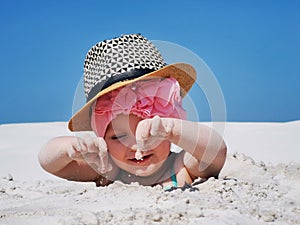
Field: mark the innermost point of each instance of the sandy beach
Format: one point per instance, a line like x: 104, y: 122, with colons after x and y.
x: 259, y: 184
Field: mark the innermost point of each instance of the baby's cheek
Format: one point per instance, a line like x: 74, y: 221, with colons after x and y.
x: 163, y: 149
x: 116, y: 149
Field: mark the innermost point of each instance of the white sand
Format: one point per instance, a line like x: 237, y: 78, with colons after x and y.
x: 258, y: 185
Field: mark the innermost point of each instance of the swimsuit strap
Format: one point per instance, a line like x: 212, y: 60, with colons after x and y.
x: 173, y: 177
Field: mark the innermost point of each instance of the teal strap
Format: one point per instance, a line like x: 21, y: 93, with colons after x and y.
x: 174, y: 181
x: 173, y: 178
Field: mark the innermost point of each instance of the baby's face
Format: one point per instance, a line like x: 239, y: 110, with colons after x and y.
x: 121, y: 144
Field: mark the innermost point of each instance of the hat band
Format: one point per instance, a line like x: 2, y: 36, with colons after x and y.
x: 132, y: 74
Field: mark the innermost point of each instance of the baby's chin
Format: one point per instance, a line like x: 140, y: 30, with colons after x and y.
x: 142, y: 171
x: 147, y: 170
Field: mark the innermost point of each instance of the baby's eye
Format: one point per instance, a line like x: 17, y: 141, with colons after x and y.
x: 117, y: 137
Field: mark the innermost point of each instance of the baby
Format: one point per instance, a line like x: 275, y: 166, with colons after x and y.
x: 134, y: 107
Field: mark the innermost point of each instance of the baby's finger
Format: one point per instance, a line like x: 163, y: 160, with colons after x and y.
x: 140, y: 145
x: 155, y: 126
x: 143, y: 130
x: 89, y: 141
x: 104, y: 166
x: 142, y: 133
x: 77, y: 147
x: 168, y: 125
x: 138, y: 154
x: 161, y: 128
x: 100, y: 144
x: 71, y: 152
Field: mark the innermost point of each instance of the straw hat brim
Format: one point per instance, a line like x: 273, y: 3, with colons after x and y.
x: 184, y: 73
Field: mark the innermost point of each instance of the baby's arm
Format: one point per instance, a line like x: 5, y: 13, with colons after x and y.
x: 67, y: 157
x: 205, y: 150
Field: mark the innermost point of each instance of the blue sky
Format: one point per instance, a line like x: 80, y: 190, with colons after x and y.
x: 252, y: 47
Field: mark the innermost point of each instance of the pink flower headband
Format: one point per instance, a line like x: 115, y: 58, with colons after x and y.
x: 145, y: 99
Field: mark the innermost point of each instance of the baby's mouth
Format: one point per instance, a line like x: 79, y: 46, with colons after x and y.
x: 141, y: 159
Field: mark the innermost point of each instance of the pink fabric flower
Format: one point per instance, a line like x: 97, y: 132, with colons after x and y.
x: 143, y: 98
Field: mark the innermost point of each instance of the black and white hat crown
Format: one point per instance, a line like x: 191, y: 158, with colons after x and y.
x: 122, y: 58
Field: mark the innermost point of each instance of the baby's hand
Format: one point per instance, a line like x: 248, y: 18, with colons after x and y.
x: 93, y: 150
x: 150, y: 132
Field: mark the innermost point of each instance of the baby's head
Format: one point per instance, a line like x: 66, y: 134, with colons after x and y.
x: 129, y: 71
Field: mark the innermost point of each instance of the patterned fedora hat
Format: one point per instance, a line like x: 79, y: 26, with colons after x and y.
x: 114, y: 63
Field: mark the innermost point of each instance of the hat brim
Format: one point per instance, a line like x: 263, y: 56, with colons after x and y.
x: 184, y: 73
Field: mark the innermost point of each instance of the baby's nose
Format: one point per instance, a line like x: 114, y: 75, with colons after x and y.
x: 134, y: 147
x: 131, y: 144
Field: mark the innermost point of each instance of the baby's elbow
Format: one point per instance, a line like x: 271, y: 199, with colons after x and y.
x: 219, y: 161
x: 217, y: 164
x: 223, y: 152
x: 41, y: 157
x: 44, y: 158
